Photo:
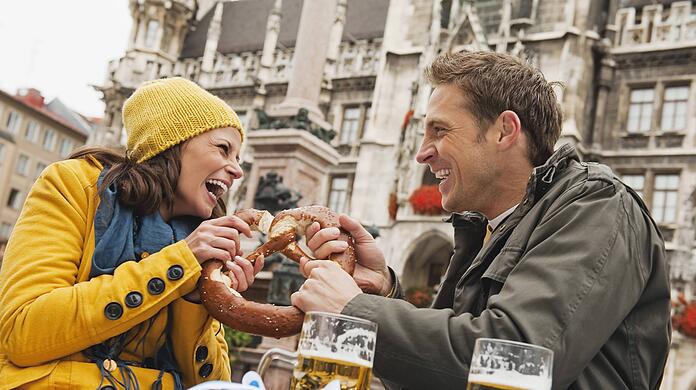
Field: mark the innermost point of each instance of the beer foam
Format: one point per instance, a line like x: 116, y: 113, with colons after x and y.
x: 336, y: 356
x: 511, y: 379
x: 354, y: 346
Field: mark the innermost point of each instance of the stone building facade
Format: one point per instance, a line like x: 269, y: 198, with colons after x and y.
x: 629, y: 101
x: 32, y: 135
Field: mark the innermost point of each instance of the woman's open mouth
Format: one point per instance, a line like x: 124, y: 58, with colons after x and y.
x: 216, y: 189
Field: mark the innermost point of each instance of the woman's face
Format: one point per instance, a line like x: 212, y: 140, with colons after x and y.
x: 209, y: 165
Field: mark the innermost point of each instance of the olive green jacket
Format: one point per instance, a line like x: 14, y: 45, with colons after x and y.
x: 579, y: 267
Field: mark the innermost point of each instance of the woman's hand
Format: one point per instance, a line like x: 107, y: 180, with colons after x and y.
x: 218, y: 239
x: 242, y: 272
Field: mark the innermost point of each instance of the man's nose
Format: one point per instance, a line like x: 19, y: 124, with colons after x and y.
x: 425, y: 153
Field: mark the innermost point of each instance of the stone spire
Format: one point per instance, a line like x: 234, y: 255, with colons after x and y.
x: 308, y: 61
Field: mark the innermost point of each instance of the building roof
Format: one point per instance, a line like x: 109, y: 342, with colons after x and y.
x: 42, y: 111
x: 56, y: 106
x: 244, y: 25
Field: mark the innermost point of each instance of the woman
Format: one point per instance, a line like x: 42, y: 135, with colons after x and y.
x: 98, y: 285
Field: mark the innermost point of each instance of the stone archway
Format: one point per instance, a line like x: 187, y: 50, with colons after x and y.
x: 427, y: 261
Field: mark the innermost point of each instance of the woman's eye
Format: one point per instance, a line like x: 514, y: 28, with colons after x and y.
x: 225, y: 149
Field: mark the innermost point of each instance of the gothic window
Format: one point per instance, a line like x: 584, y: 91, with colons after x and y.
x: 350, y: 125
x: 339, y: 194
x: 66, y: 146
x: 49, y: 140
x: 15, y: 199
x: 5, y: 230
x: 151, y: 33
x: 521, y: 9
x: 12, y: 123
x: 674, y: 108
x: 664, y: 202
x: 32, y: 133
x: 640, y: 110
x: 167, y: 38
x: 22, y: 164
x: 39, y: 168
x: 635, y: 181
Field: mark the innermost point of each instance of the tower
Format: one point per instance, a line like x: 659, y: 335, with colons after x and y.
x: 154, y: 45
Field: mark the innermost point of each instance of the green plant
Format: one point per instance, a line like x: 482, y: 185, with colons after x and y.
x: 236, y: 338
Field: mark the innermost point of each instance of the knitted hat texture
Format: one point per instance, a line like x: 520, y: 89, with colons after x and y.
x: 165, y: 112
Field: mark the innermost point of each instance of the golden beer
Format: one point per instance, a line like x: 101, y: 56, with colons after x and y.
x: 313, y: 372
x: 507, y: 381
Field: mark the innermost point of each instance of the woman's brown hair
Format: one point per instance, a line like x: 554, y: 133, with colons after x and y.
x: 145, y: 186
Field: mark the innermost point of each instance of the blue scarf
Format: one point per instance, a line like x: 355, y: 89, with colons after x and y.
x: 121, y: 236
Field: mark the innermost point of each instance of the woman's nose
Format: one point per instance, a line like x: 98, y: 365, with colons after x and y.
x: 235, y: 170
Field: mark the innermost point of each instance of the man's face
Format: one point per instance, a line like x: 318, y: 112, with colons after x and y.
x: 457, y: 152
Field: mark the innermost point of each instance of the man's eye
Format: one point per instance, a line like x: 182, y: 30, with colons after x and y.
x: 439, y: 129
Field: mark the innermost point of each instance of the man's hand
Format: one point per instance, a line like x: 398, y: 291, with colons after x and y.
x: 371, y: 273
x: 327, y: 288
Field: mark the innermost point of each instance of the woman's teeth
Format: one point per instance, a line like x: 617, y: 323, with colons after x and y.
x: 216, y: 188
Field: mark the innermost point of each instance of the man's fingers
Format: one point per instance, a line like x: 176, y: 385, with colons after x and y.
x: 311, y: 231
x: 328, y: 248
x: 355, y: 228
x: 258, y: 264
x: 323, y: 236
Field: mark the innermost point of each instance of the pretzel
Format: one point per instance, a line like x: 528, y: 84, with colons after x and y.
x: 229, y: 307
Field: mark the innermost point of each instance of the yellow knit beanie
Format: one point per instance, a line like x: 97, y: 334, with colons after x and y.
x: 165, y: 112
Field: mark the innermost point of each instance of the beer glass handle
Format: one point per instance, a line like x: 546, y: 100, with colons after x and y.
x: 275, y: 354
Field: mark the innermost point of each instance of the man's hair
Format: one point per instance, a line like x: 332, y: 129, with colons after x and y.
x: 492, y: 83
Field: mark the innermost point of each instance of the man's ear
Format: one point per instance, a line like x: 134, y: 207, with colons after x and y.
x: 510, y: 129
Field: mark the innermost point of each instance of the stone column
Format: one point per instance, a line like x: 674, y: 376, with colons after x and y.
x: 308, y: 61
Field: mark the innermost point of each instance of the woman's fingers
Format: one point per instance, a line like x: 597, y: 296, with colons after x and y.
x: 230, y: 234
x: 238, y: 272
x: 247, y: 267
x: 232, y: 221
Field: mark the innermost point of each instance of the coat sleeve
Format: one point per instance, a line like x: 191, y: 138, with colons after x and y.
x: 582, y: 263
x: 199, y: 341
x: 45, y: 313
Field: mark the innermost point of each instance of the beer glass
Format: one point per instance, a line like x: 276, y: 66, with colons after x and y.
x: 509, y: 365
x: 331, y: 346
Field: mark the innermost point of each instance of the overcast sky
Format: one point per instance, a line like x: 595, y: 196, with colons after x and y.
x: 61, y: 47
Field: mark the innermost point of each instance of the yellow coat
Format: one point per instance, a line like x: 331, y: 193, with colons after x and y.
x: 50, y: 310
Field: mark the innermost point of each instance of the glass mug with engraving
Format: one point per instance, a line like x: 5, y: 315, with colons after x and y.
x: 509, y: 365
x: 331, y: 347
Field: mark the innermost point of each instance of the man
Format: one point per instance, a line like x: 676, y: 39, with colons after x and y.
x: 574, y: 262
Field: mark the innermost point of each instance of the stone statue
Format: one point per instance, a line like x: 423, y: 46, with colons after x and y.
x: 273, y: 195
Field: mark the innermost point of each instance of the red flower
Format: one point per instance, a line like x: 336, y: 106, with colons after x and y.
x: 684, y: 318
x: 427, y: 200
x: 420, y: 297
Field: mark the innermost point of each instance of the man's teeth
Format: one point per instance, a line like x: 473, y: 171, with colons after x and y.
x: 442, y: 173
